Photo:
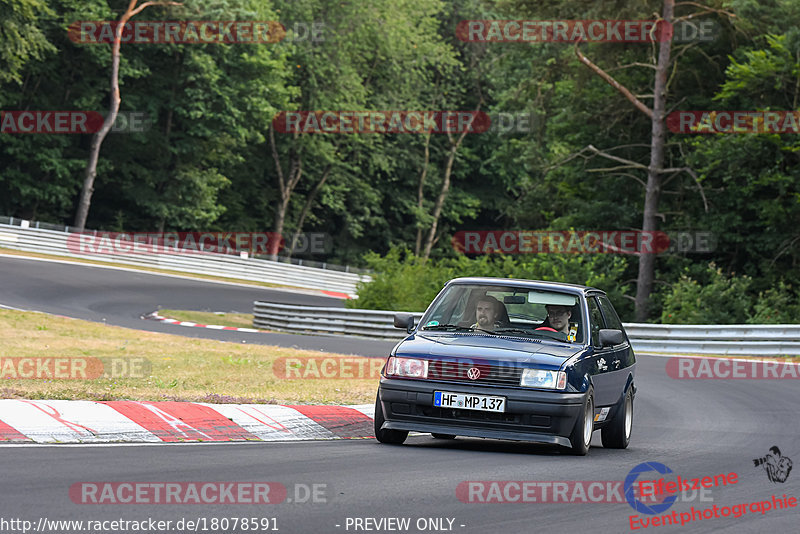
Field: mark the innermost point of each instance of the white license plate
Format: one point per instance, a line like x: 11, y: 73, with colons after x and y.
x: 483, y: 403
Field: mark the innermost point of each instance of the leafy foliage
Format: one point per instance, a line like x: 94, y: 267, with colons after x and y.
x: 720, y: 299
x: 403, y: 281
x: 206, y: 162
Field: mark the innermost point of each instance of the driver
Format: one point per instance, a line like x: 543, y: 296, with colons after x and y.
x: 486, y: 313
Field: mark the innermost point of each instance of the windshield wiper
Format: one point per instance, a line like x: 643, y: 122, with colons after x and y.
x: 513, y: 331
x: 457, y: 327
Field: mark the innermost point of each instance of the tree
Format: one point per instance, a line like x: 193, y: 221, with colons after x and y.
x: 655, y: 169
x: 85, y: 198
x: 380, y: 64
x: 21, y: 38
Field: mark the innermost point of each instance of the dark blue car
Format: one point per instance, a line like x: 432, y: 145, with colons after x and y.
x: 511, y: 359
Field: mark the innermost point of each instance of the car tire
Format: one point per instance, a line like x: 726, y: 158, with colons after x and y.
x: 393, y: 437
x: 617, y: 433
x: 581, y: 435
x: 443, y: 436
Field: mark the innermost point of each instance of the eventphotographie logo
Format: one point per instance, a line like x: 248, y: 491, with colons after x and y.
x: 776, y: 466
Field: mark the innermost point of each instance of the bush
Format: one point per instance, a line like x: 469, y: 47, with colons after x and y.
x: 403, y: 282
x: 777, y: 305
x: 720, y: 299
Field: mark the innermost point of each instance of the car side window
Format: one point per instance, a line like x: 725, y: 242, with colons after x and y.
x: 609, y: 314
x: 595, y: 320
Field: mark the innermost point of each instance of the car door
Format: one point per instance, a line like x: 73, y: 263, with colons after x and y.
x: 623, y: 358
x: 605, y: 365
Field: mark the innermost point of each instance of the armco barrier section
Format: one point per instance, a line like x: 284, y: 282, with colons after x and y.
x: 332, y: 321
x: 732, y: 339
x: 257, y: 270
x: 740, y: 340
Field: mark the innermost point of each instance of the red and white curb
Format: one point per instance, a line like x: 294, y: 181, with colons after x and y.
x: 66, y: 421
x: 155, y: 316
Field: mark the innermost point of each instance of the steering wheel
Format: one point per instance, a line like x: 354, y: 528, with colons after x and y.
x: 547, y: 328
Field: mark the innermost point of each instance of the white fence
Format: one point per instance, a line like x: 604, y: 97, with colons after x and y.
x: 55, y: 242
x: 740, y: 340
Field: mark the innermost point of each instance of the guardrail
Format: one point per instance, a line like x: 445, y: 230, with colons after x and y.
x: 214, y: 264
x: 332, y: 321
x: 732, y: 339
x: 741, y: 340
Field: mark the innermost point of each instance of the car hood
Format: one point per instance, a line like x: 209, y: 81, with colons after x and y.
x: 486, y: 347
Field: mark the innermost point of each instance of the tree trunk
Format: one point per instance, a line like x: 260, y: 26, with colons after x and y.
x: 307, y: 206
x: 286, y: 186
x: 437, y: 209
x: 644, y: 282
x: 97, y: 140
x: 420, y: 191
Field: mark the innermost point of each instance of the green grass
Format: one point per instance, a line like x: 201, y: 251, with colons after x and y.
x: 175, y: 367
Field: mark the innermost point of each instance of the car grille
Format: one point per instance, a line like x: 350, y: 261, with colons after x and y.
x: 464, y: 371
x: 466, y: 415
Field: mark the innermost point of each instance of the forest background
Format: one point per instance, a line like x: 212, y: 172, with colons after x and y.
x: 210, y: 161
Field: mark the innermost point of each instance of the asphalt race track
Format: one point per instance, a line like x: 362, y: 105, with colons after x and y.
x: 695, y: 427
x: 120, y: 298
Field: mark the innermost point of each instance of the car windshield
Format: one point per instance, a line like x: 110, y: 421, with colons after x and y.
x: 507, y: 310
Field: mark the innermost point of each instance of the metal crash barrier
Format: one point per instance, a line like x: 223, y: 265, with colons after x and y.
x: 740, y: 340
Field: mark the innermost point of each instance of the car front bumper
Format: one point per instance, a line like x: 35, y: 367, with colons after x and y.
x: 530, y: 415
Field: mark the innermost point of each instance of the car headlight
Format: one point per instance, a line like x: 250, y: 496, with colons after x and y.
x: 407, y: 367
x: 540, y: 378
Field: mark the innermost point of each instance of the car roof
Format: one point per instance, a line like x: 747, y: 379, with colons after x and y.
x: 529, y: 284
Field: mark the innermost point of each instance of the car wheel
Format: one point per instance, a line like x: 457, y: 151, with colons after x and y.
x: 395, y: 437
x: 443, y: 436
x: 617, y: 433
x: 581, y: 435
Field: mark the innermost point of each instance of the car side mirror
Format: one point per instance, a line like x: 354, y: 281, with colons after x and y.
x: 404, y: 320
x: 611, y: 337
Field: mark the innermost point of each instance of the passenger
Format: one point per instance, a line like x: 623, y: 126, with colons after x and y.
x: 558, y: 317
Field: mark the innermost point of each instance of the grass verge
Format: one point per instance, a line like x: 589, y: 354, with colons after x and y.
x: 175, y: 367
